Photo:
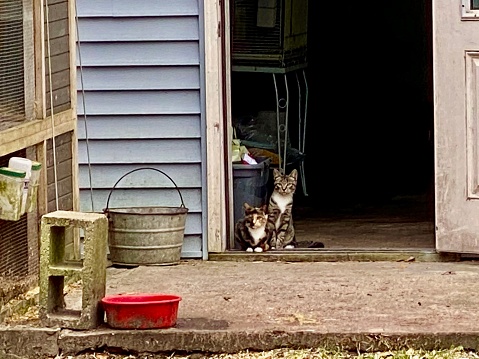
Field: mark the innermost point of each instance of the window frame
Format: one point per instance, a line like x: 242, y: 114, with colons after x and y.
x: 468, y: 13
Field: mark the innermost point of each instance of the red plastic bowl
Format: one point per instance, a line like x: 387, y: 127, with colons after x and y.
x: 141, y: 311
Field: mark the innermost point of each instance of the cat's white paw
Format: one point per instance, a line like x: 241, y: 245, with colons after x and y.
x: 258, y: 249
x: 272, y: 247
x: 249, y: 249
x: 289, y: 246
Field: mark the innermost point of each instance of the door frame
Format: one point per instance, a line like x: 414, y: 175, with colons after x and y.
x: 217, y: 90
x: 219, y: 121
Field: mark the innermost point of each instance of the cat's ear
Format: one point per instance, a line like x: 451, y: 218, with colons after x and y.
x: 276, y: 173
x: 246, y: 206
x: 294, y: 174
x: 264, y: 207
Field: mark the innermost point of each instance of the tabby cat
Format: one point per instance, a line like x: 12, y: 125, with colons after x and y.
x: 253, y: 232
x: 280, y: 209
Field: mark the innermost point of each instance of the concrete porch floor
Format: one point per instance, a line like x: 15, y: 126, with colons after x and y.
x: 232, y: 306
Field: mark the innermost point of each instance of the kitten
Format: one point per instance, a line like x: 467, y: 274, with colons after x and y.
x: 253, y: 232
x: 280, y: 209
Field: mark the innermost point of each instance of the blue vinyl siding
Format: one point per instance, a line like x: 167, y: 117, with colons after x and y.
x: 141, y: 78
x: 140, y: 53
x: 144, y: 8
x: 141, y: 102
x: 140, y: 29
x: 139, y: 89
x: 141, y: 126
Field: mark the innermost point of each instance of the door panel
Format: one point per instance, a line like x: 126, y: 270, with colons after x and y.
x: 456, y: 95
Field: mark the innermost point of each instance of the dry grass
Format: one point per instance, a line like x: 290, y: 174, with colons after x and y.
x: 454, y: 353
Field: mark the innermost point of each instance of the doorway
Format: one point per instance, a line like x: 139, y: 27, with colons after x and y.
x: 369, y: 148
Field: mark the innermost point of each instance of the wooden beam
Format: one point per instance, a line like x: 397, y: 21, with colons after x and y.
x: 33, y: 225
x: 229, y: 122
x: 42, y: 182
x: 33, y: 132
x: 322, y: 255
x: 29, y: 59
x: 39, y: 26
x: 73, y: 58
x: 73, y: 101
x: 215, y: 159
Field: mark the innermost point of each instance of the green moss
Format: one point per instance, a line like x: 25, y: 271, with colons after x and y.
x: 10, y: 199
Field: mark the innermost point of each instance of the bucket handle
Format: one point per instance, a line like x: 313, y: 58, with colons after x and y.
x: 138, y: 169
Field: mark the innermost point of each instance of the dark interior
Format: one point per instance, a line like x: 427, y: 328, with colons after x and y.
x: 369, y: 157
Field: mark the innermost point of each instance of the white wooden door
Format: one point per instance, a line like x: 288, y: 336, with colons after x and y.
x: 456, y: 100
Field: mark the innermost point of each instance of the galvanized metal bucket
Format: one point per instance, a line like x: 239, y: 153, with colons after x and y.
x: 146, y: 235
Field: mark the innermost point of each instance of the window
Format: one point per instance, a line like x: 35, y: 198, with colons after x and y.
x: 470, y: 9
x: 17, y: 80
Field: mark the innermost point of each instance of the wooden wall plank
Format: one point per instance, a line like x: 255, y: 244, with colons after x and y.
x: 63, y: 169
x: 58, y: 46
x: 59, y: 63
x: 61, y: 100
x: 63, y: 176
x: 57, y: 11
x: 58, y: 28
x: 59, y: 79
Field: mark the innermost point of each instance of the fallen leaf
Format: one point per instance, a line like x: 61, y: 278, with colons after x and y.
x: 301, y: 319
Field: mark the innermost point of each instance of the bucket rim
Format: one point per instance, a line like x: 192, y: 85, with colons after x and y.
x: 180, y: 210
x: 141, y: 298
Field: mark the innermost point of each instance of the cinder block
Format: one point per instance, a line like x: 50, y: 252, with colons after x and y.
x: 54, y: 267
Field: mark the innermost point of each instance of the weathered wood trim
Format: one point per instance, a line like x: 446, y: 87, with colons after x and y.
x: 29, y: 58
x: 42, y: 183
x: 322, y: 255
x: 33, y: 227
x: 72, y: 47
x: 33, y: 132
x: 215, y: 159
x: 75, y: 194
x: 75, y: 172
x: 40, y: 101
x: 229, y: 122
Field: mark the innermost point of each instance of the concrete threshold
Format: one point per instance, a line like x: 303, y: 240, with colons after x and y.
x: 34, y: 343
x: 332, y: 255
